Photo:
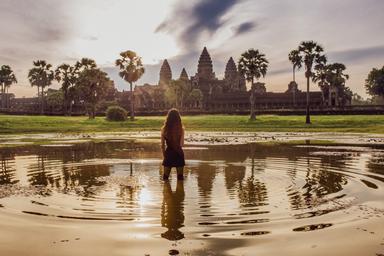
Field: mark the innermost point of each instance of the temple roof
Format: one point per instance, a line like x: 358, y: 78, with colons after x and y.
x: 184, y: 75
x: 205, y: 67
x: 230, y: 69
x: 165, y: 72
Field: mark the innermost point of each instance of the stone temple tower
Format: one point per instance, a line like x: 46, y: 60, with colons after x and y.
x: 165, y: 74
x: 230, y: 70
x: 184, y: 75
x: 234, y: 80
x: 205, y: 67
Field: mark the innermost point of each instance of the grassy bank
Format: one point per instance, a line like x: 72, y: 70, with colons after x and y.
x: 267, y: 123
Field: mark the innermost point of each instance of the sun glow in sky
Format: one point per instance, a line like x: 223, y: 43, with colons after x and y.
x: 64, y: 31
x: 110, y: 27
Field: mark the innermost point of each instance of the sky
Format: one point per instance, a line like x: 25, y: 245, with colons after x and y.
x: 63, y: 31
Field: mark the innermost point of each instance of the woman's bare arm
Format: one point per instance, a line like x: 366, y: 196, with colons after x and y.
x: 182, y: 138
x: 162, y: 142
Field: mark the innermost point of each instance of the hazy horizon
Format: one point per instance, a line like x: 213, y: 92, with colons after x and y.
x: 65, y: 31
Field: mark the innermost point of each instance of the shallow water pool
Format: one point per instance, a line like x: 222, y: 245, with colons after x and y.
x: 108, y: 198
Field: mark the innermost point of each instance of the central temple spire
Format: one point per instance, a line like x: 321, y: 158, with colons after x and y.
x: 205, y: 67
x: 165, y: 73
x: 184, y: 75
x: 230, y: 70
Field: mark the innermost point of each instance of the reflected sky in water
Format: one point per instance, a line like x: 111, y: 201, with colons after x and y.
x: 234, y: 192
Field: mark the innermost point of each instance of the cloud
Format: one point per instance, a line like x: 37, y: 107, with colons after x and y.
x: 90, y: 38
x: 32, y: 30
x: 358, y: 54
x: 279, y: 71
x: 205, y: 16
x: 44, y: 21
x: 244, y: 27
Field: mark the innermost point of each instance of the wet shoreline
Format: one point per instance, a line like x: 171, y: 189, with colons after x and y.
x: 198, y: 138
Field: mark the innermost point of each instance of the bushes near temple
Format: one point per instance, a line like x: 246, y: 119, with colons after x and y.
x: 116, y: 113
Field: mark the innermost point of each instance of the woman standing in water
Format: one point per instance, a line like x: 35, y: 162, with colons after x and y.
x: 172, y: 141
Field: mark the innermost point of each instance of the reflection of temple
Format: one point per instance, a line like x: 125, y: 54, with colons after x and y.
x: 172, y: 211
x: 218, y: 95
x: 310, y: 177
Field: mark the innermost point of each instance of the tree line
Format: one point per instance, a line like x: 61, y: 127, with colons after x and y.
x: 86, y: 83
x: 310, y: 55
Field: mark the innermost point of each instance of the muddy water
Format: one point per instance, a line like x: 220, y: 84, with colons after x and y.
x: 108, y: 199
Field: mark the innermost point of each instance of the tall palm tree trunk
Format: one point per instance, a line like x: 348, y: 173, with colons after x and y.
x: 70, y: 108
x: 7, y: 99
x: 38, y: 99
x: 252, y: 100
x: 132, y: 103
x: 307, y: 118
x: 42, y: 101
x: 294, y: 79
x: 65, y: 103
x: 2, y: 96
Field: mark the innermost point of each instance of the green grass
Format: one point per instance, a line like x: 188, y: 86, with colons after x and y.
x: 268, y: 123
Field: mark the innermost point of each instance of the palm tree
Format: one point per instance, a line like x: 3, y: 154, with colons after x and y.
x: 93, y: 86
x: 177, y: 92
x: 297, y: 60
x: 336, y: 78
x: 375, y: 82
x: 67, y: 75
x: 131, y: 69
x: 320, y: 77
x: 75, y: 91
x: 7, y: 78
x: 311, y: 54
x: 83, y: 64
x: 41, y: 75
x: 332, y: 76
x: 253, y: 64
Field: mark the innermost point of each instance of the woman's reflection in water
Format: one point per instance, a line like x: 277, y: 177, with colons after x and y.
x: 172, y: 211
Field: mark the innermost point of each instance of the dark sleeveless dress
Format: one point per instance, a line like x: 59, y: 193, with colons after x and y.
x: 174, y: 154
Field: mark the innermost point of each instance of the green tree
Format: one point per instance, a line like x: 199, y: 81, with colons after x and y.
x: 332, y: 76
x: 311, y: 53
x: 336, y: 79
x: 84, y: 64
x: 41, y: 75
x: 7, y: 78
x: 320, y: 76
x: 297, y: 60
x: 346, y: 95
x: 358, y: 100
x: 67, y: 75
x: 253, y: 65
x: 93, y: 85
x: 54, y: 99
x: 75, y: 92
x: 131, y: 69
x: 195, y: 96
x: 177, y: 92
x: 375, y: 82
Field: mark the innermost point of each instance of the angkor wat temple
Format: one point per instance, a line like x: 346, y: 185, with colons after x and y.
x: 227, y: 95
